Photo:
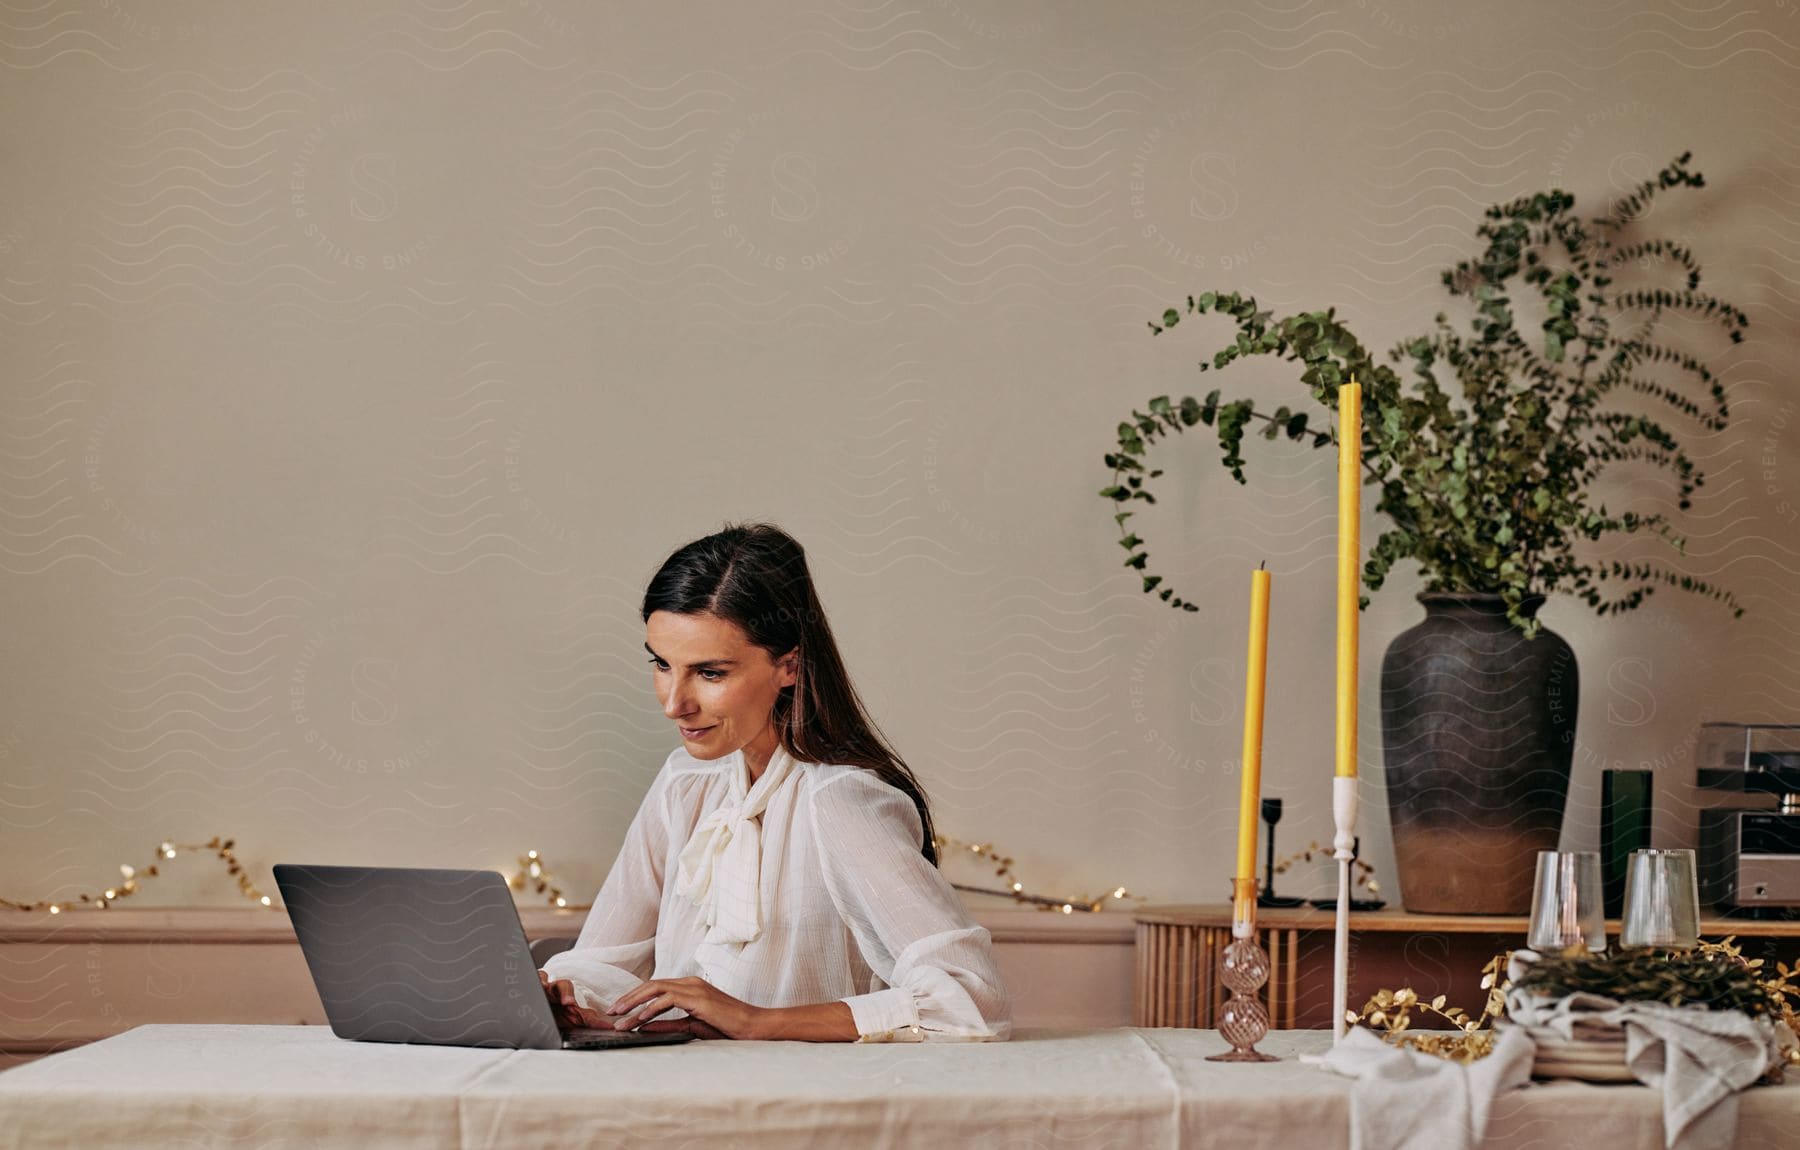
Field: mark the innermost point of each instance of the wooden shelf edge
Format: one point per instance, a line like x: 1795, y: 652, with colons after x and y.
x: 270, y: 926
x: 1402, y: 921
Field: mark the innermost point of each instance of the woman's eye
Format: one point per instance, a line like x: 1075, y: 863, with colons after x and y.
x: 658, y: 664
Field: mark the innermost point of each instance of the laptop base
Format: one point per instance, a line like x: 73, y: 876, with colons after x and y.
x: 583, y: 1038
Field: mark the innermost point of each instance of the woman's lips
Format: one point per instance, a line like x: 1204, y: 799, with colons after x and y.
x: 694, y: 733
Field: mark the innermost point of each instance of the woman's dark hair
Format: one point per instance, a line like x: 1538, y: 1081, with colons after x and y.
x: 755, y: 575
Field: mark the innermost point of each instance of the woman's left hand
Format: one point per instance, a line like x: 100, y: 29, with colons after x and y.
x: 702, y: 1000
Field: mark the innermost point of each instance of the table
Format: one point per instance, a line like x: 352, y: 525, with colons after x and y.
x: 196, y: 1086
x: 1178, y: 947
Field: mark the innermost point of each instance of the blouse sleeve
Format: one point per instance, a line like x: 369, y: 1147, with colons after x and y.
x: 908, y: 921
x: 616, y: 949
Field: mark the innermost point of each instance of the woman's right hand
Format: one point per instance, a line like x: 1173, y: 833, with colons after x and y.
x: 569, y: 1014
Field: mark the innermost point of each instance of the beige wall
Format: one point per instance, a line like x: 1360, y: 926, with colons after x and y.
x: 363, y: 361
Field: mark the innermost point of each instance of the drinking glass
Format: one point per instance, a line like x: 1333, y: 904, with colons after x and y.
x: 1662, y: 900
x: 1566, y: 903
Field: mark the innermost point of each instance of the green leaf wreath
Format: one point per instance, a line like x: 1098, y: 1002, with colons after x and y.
x: 1489, y: 494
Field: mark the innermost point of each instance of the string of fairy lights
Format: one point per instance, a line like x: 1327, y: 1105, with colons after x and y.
x: 534, y: 875
x: 128, y: 884
x: 1015, y: 888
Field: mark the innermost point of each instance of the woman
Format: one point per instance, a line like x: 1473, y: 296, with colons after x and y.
x: 780, y: 879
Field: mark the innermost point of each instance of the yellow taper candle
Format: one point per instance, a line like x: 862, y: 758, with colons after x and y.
x: 1349, y: 578
x: 1250, y: 792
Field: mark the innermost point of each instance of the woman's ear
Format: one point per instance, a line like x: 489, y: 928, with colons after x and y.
x: 789, y: 665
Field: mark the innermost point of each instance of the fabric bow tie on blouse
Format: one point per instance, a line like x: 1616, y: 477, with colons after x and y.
x: 721, y: 865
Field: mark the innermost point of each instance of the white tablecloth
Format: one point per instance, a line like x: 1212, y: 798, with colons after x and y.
x: 302, y: 1087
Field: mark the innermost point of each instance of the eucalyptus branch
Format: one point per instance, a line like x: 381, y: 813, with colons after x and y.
x: 1489, y: 488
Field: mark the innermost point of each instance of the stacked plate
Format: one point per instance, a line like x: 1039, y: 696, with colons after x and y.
x: 1596, y: 1054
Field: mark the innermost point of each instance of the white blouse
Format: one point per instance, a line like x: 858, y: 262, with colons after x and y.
x: 828, y: 899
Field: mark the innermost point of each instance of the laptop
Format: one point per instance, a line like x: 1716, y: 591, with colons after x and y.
x: 439, y: 957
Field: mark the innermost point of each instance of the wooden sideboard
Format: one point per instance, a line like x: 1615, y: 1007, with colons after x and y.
x: 75, y: 977
x: 1178, y: 947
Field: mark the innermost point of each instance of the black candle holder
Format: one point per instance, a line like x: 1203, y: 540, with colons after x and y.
x: 1271, y: 814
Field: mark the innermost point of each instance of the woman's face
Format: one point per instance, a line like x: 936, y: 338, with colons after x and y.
x: 708, y: 675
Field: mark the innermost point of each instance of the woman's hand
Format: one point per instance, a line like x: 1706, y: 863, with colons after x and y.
x: 707, y: 1007
x: 568, y: 1012
x: 569, y: 1015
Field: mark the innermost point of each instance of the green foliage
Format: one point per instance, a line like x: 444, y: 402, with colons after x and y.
x: 1489, y: 492
x: 1715, y: 978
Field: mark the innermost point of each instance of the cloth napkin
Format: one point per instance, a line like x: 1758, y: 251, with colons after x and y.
x: 721, y: 865
x: 1699, y: 1058
x: 1406, y: 1100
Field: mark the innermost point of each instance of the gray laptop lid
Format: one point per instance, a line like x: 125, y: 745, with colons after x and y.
x: 418, y: 955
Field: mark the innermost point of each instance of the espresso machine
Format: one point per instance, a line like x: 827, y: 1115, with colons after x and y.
x: 1749, y: 856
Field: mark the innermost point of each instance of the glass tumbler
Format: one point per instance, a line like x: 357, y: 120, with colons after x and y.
x: 1566, y: 903
x: 1662, y: 900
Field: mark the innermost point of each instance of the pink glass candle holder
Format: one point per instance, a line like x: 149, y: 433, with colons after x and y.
x: 1243, y: 1020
